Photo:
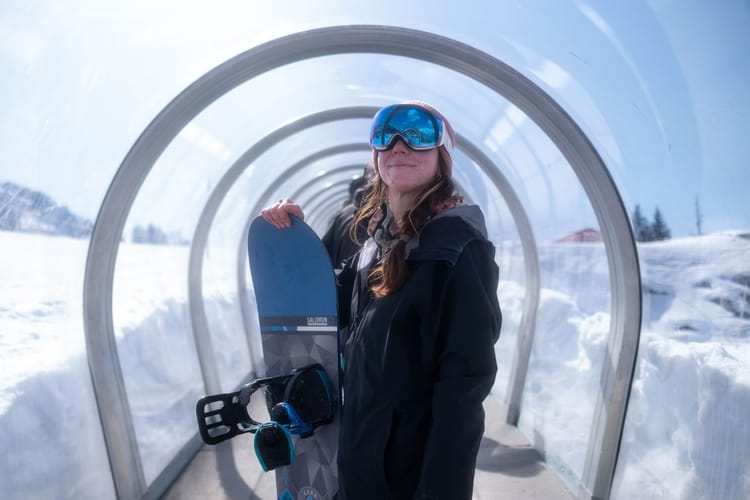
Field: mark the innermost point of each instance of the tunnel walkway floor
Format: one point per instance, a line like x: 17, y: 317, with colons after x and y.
x: 507, y: 468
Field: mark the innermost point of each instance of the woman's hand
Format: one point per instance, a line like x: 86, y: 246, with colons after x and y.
x: 278, y: 213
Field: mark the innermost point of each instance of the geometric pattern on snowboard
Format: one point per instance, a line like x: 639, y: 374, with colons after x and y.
x: 295, y: 293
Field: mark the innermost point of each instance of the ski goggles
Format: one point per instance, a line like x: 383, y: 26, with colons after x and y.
x: 419, y: 128
x: 298, y: 403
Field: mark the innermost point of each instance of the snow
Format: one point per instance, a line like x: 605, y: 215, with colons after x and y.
x: 40, y: 306
x: 685, y: 437
x: 686, y: 434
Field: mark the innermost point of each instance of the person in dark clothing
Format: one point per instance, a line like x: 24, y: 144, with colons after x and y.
x: 420, y: 317
x: 337, y: 239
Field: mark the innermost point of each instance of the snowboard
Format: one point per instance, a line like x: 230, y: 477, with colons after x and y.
x: 295, y: 292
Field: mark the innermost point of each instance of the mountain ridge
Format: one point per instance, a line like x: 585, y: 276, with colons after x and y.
x: 29, y: 211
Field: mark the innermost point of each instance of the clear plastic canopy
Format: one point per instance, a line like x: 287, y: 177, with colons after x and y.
x: 604, y: 142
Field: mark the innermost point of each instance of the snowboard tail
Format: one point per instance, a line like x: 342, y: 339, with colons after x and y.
x: 295, y: 293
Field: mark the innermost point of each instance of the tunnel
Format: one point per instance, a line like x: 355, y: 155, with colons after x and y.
x: 603, y: 143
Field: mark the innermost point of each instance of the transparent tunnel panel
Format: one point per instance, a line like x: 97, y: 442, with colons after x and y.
x: 477, y: 186
x: 685, y: 434
x: 150, y: 309
x: 573, y: 317
x: 155, y: 346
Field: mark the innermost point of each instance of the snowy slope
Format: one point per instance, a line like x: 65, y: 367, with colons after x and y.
x: 685, y: 437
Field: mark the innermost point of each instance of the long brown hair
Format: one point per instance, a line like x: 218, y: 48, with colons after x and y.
x: 391, y: 273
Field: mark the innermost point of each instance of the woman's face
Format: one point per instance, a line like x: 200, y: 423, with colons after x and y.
x: 406, y: 171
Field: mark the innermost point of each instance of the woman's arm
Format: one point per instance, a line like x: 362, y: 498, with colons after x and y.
x: 470, y: 325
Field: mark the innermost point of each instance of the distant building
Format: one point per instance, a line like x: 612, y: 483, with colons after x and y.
x: 587, y: 235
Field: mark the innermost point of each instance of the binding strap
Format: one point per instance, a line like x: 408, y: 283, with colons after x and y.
x: 298, y: 403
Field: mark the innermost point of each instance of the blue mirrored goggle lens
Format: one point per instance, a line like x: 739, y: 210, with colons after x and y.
x: 419, y: 128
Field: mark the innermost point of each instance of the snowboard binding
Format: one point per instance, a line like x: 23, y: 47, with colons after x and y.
x: 298, y: 403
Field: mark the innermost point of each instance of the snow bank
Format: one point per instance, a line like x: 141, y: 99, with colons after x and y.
x: 685, y: 435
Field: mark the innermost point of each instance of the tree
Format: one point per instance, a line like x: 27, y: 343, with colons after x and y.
x: 641, y: 227
x: 150, y: 234
x: 647, y: 231
x: 659, y: 229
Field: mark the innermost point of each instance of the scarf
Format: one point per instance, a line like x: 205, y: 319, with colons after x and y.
x: 385, y: 231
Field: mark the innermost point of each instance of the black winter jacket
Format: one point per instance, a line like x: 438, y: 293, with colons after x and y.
x: 418, y: 364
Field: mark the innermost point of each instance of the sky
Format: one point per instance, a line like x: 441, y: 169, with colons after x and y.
x: 657, y: 86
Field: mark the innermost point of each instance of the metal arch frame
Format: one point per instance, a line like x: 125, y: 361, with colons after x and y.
x: 343, y: 168
x: 333, y: 189
x: 480, y: 66
x: 318, y: 206
x: 323, y: 208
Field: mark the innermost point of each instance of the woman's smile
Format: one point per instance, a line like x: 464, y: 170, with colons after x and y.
x: 405, y: 170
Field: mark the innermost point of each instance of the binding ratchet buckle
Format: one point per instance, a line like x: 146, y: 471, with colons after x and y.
x: 298, y: 403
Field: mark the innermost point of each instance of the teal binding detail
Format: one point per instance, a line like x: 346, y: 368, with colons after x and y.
x: 273, y: 446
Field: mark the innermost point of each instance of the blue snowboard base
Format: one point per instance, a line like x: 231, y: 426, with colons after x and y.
x: 295, y: 293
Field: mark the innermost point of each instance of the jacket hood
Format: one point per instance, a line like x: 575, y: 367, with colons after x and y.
x: 471, y: 214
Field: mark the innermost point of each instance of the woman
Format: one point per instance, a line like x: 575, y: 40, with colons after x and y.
x: 421, y: 317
